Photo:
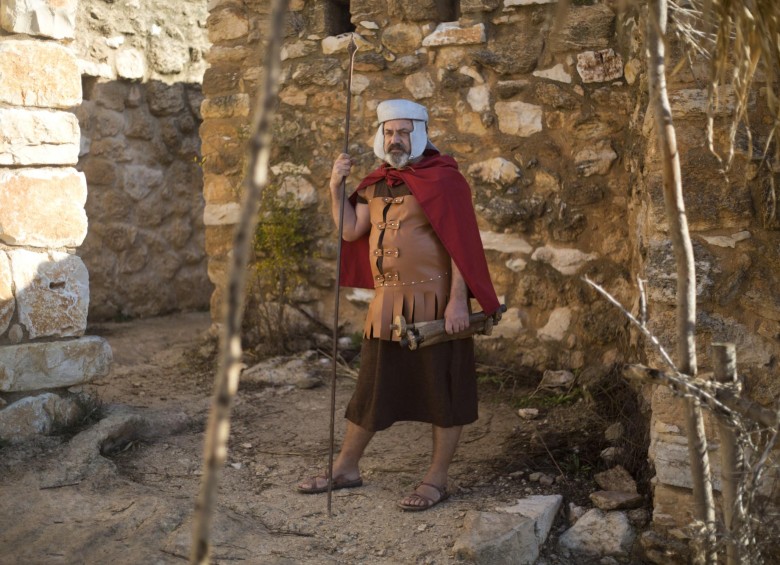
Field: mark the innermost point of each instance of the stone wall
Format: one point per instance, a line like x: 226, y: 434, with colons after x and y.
x: 537, y: 123
x: 142, y: 64
x: 550, y: 127
x: 44, y: 285
x: 735, y: 230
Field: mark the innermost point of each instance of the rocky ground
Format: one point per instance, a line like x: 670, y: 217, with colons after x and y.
x: 121, y: 489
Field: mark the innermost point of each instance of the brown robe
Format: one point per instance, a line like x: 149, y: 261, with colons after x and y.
x: 411, y: 270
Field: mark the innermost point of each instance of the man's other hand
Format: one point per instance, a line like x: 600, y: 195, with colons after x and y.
x: 456, y: 316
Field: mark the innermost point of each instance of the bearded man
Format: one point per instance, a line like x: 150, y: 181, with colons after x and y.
x: 411, y: 234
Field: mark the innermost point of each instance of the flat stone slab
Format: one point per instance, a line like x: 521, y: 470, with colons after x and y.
x: 598, y: 534
x: 56, y: 364
x: 497, y: 538
x: 541, y: 509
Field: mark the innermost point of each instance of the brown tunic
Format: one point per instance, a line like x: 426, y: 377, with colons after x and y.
x: 411, y: 270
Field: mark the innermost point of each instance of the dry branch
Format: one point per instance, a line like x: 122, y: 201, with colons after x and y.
x: 229, y: 368
x: 686, y: 277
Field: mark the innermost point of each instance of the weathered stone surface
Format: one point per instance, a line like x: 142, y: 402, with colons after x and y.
x: 25, y: 220
x: 519, y: 118
x: 469, y: 6
x: 130, y: 64
x: 7, y: 302
x: 509, y: 3
x: 585, y: 27
x: 230, y: 106
x: 37, y: 415
x: 402, y: 38
x: 141, y: 180
x: 510, y: 326
x: 556, y: 379
x: 557, y: 325
x: 616, y: 478
x: 56, y: 364
x: 303, y: 371
x: 52, y: 292
x: 451, y: 33
x: 566, y: 261
x: 596, y: 160
x: 498, y: 171
x: 226, y: 23
x: 599, y: 66
x: 692, y: 102
x: 615, y: 500
x: 221, y: 214
x: 296, y: 49
x: 29, y: 69
x: 672, y: 465
x: 541, y: 509
x: 557, y: 73
x: 299, y: 189
x: 726, y: 240
x: 598, y: 534
x: 420, y: 85
x: 512, y: 49
x: 322, y: 72
x: 479, y: 98
x: 497, y: 539
x: 38, y: 137
x: 165, y: 99
x: 504, y: 243
x: 47, y: 18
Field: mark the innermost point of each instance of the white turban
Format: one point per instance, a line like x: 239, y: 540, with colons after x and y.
x: 403, y: 110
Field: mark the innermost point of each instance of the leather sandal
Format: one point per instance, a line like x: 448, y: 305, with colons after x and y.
x: 338, y: 483
x: 427, y: 501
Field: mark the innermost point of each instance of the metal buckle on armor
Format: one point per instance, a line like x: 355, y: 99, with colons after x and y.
x: 391, y: 200
x: 391, y: 225
x: 386, y: 278
x: 386, y: 252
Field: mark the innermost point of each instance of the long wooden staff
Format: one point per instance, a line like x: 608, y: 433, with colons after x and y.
x: 352, y: 49
x: 226, y: 379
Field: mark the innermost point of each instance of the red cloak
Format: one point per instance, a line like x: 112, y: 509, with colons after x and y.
x: 445, y: 197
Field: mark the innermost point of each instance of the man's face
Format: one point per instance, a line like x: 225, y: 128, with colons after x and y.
x: 398, y: 144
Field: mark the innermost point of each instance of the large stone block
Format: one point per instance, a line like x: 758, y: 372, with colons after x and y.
x: 36, y: 415
x: 7, y: 302
x: 48, y: 18
x: 402, y: 38
x: 37, y: 366
x: 52, y: 292
x: 451, y: 33
x: 519, y: 118
x: 585, y: 27
x: 39, y: 73
x: 497, y: 538
x: 43, y: 207
x: 38, y: 137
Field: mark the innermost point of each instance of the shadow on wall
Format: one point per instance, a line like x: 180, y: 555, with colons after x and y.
x: 140, y: 153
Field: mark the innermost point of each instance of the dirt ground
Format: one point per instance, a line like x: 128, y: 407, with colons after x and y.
x: 63, y: 501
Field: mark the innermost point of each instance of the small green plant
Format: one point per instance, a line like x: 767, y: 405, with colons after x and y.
x: 283, y: 242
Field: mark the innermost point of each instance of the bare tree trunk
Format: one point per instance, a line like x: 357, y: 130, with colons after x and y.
x: 226, y: 379
x: 732, y: 458
x: 686, y: 276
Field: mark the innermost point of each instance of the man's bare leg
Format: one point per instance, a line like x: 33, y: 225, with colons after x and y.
x: 445, y: 442
x: 345, y: 466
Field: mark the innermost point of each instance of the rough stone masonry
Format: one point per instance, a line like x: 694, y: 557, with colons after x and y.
x: 551, y: 128
x: 44, y: 285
